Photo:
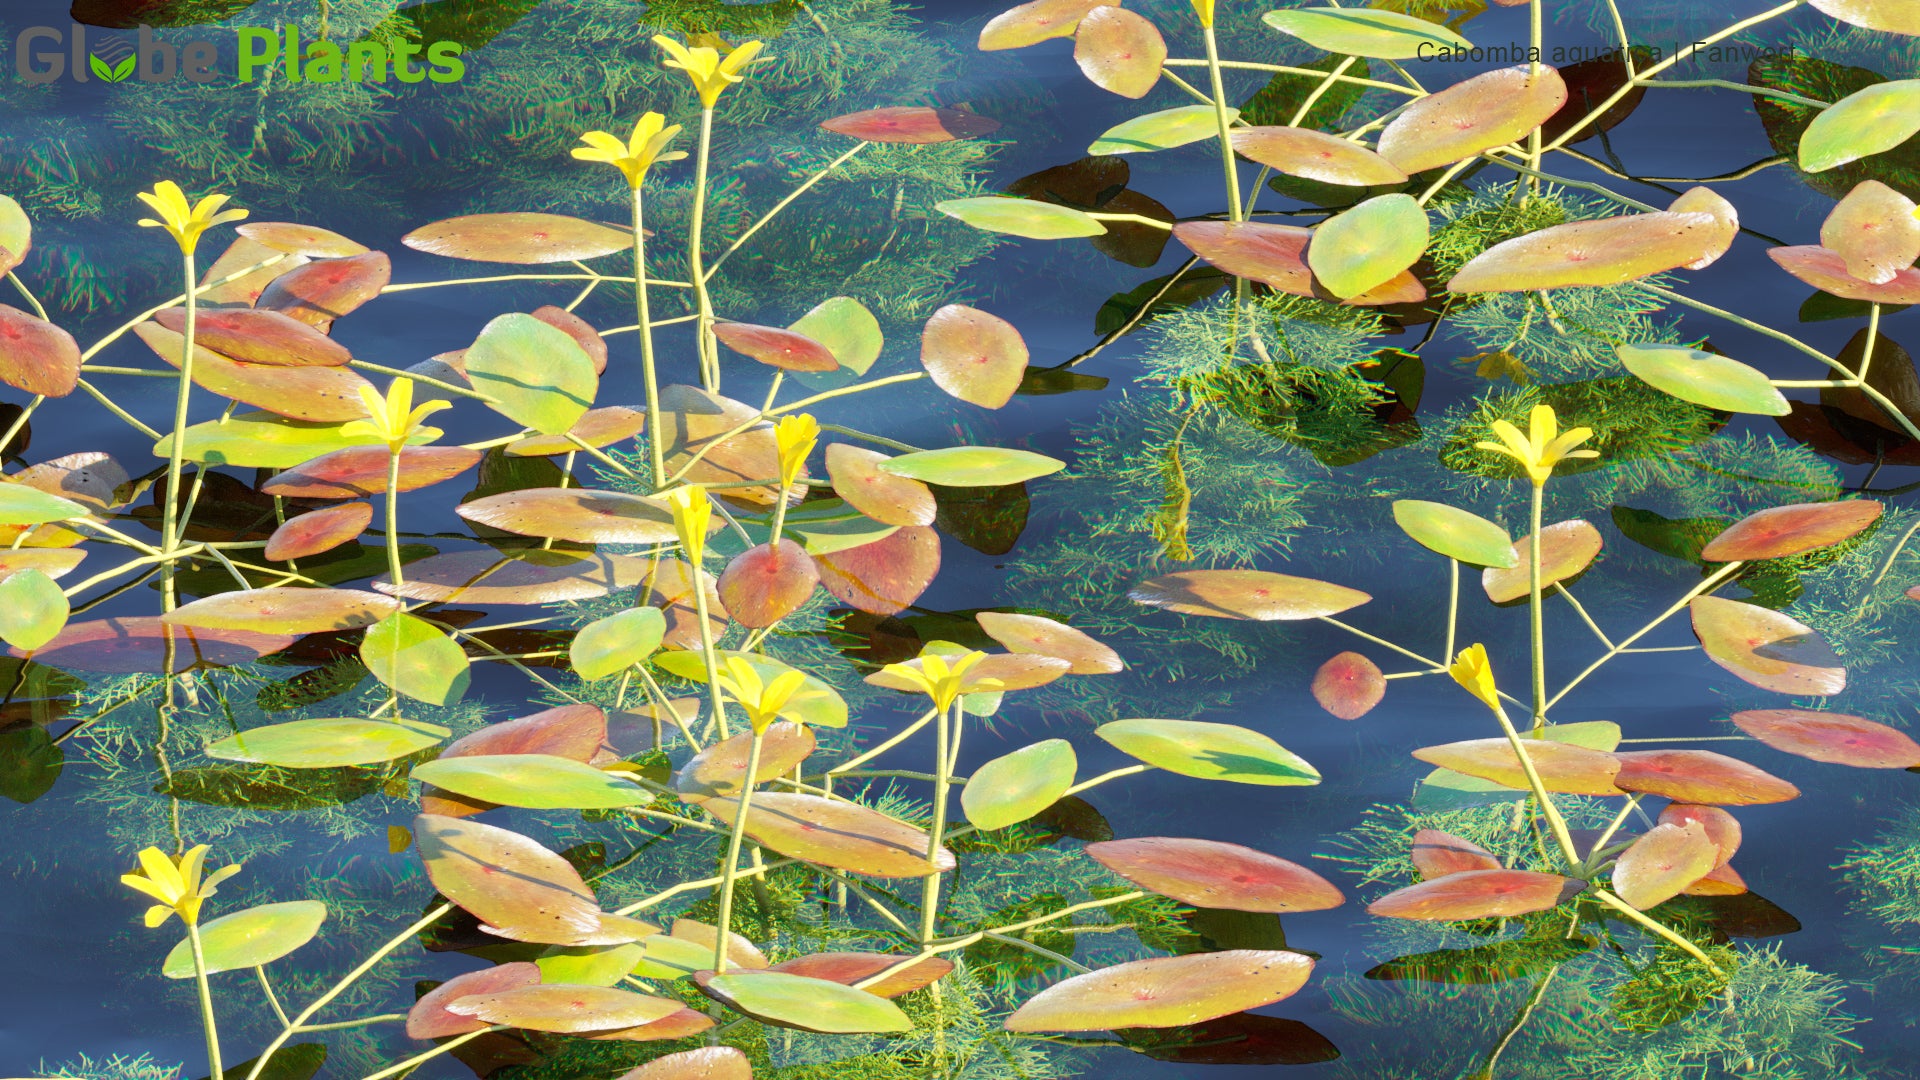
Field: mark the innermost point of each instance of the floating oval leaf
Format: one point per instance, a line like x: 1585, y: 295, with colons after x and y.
x: 1721, y: 827
x: 1704, y: 378
x: 415, y: 658
x: 716, y: 772
x: 1892, y: 16
x: 615, y: 643
x: 308, y: 240
x: 285, y: 610
x: 1362, y: 249
x: 764, y: 584
x: 327, y: 743
x: 1700, y: 776
x: 1033, y: 23
x: 1663, y: 863
x: 1119, y: 51
x: 847, y: 329
x: 1566, y: 549
x: 1315, y: 155
x: 360, y: 471
x: 911, y: 124
x: 1602, y: 251
x: 1246, y: 594
x: 582, y: 515
x: 1455, y: 533
x: 1867, y: 122
x: 35, y: 355
x: 842, y: 835
x: 849, y: 968
x: 733, y: 443
x: 564, y: 1008
x: 126, y: 646
x: 1210, y: 874
x: 537, y: 375
x: 1014, y: 787
x: 1790, y: 530
x: 254, y: 937
x: 596, y: 428
x: 1166, y: 991
x: 972, y: 466
x: 318, y: 531
x: 1161, y: 130
x: 1834, y: 738
x: 518, y: 889
x: 322, y: 291
x: 23, y: 505
x: 885, y: 576
x: 1384, y: 35
x: 976, y: 357
x: 788, y: 350
x: 429, y: 1018
x: 704, y: 1063
x: 1478, y: 894
x: 1488, y: 110
x: 1275, y: 255
x: 1562, y: 767
x: 33, y: 609
x: 16, y: 234
x: 1766, y: 648
x: 588, y: 965
x: 893, y: 500
x: 263, y: 440
x: 1437, y: 854
x: 1349, y: 685
x: 535, y: 781
x: 523, y: 238
x: 324, y: 394
x: 1827, y: 271
x: 1044, y: 637
x: 1030, y: 218
x: 1874, y: 229
x: 1209, y: 751
x: 796, y: 1001
x: 271, y: 338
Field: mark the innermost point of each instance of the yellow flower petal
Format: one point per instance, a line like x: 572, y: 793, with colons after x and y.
x: 157, y: 914
x: 1472, y: 670
x: 162, y: 872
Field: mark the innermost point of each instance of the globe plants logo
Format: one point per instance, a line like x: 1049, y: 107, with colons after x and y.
x: 46, y: 54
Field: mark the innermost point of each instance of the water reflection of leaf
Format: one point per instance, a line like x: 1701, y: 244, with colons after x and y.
x: 30, y: 762
x: 128, y: 14
x: 1239, y: 1039
x: 1824, y: 80
x: 471, y: 23
x: 1497, y: 962
x: 263, y: 787
x: 988, y: 520
x: 1671, y: 988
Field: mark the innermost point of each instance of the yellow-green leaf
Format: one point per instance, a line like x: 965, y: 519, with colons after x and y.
x: 1859, y: 125
x: 249, y: 938
x: 1381, y: 35
x: 1161, y: 130
x: 1014, y: 787
x: 1369, y: 245
x: 415, y: 658
x: 1704, y: 378
x: 32, y: 609
x: 611, y: 645
x: 1021, y: 217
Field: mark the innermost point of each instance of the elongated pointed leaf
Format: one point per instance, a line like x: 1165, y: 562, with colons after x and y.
x: 717, y: 771
x: 1246, y: 594
x: 789, y: 350
x: 1862, y: 124
x: 415, y: 658
x: 23, y: 505
x: 1211, y: 874
x: 264, y: 440
x: 1030, y: 218
x: 249, y: 938
x: 1209, y: 751
x: 1704, y: 378
x: 565, y: 1008
x: 1766, y: 648
x: 523, y: 238
x: 318, y: 531
x: 582, y: 515
x: 1161, y: 130
x: 1166, y: 991
x: 327, y: 743
x: 1034, y: 22
x: 1384, y: 35
x: 1437, y: 854
x: 1014, y: 787
x: 1044, y: 637
x: 1315, y: 155
x: 796, y: 1001
x: 1835, y: 738
x: 1455, y: 533
x: 972, y: 466
x: 518, y: 889
x: 1478, y: 894
x: 916, y: 124
x: 1791, y: 530
x: 1478, y: 114
x: 429, y: 1018
x: 841, y: 835
x: 1562, y: 767
x: 1275, y: 255
x: 536, y: 781
x: 849, y: 968
x: 325, y: 289
x: 1700, y: 776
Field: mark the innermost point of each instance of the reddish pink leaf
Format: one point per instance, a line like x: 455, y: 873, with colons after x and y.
x: 1480, y: 113
x: 1478, y: 894
x: 1766, y: 648
x: 129, y: 646
x: 37, y: 356
x: 1349, y: 685
x: 258, y: 337
x: 1315, y: 155
x: 1790, y: 530
x: 1834, y: 738
x: 888, y: 499
x: 596, y: 427
x: 1562, y: 767
x: 1246, y: 594
x: 579, y: 330
x: 1210, y: 874
x: 1566, y: 549
x: 1700, y: 776
x: 976, y: 357
x: 704, y: 1063
x: 911, y: 124
x: 575, y: 732
x: 717, y: 771
x: 521, y: 238
x: 1276, y: 255
x: 322, y: 291
x: 324, y: 394
x: 885, y: 576
x: 1874, y: 231
x: 1437, y: 854
x: 1663, y: 863
x: 763, y: 585
x: 1720, y: 881
x: 360, y: 471
x: 1119, y: 51
x: 429, y: 1018
x: 1826, y: 270
x: 321, y: 530
x: 1033, y: 23
x: 1044, y: 637
x: 1165, y: 991
x: 295, y: 239
x: 1722, y: 828
x: 785, y: 349
x: 848, y: 968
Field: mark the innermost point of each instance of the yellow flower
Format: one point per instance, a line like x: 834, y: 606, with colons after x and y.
x: 176, y: 883
x: 763, y: 702
x: 1472, y: 670
x: 394, y: 419
x: 183, y: 223
x: 1204, y: 9
x: 1542, y: 447
x: 692, y: 512
x: 710, y: 74
x: 795, y: 436
x: 642, y: 150
x: 933, y: 676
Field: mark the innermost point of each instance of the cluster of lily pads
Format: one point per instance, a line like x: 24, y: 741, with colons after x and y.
x: 690, y: 464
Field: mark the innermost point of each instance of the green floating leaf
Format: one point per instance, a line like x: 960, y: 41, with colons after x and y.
x: 1209, y: 751
x: 535, y: 781
x: 1862, y: 124
x: 327, y: 743
x: 847, y: 329
x: 1161, y: 130
x: 1381, y: 35
x: 264, y: 440
x: 796, y: 1001
x: 611, y: 645
x: 416, y: 658
x: 1455, y: 533
x: 1014, y: 787
x: 1704, y: 378
x: 22, y: 505
x: 1030, y: 218
x: 16, y: 234
x: 250, y: 938
x: 972, y: 466
x: 33, y: 609
x: 537, y: 375
x: 589, y: 965
x: 1369, y: 245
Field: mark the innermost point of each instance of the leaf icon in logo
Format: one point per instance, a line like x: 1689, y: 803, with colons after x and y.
x: 114, y: 73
